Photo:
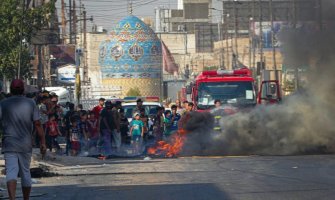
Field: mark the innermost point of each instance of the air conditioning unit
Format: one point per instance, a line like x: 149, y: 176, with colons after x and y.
x: 181, y: 28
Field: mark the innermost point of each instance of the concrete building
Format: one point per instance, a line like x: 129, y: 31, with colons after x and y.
x: 247, y: 33
x: 183, y: 19
x: 189, y: 33
x: 183, y: 49
x: 238, y: 14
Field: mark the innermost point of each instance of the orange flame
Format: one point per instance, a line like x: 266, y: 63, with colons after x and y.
x: 171, y: 148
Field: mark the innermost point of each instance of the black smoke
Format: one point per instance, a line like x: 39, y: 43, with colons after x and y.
x: 303, y: 123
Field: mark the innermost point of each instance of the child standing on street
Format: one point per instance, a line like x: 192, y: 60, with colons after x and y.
x: 92, y: 124
x: 167, y: 124
x: 145, y: 119
x: 74, y: 137
x: 84, y: 135
x: 52, y: 132
x: 136, y: 131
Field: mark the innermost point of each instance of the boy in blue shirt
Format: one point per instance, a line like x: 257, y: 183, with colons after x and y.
x: 136, y: 130
x: 174, y: 119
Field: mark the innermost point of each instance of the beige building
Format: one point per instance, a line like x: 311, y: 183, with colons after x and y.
x: 224, y: 50
x: 183, y: 49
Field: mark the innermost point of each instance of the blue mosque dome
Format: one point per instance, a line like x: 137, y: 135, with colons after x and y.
x: 132, y: 51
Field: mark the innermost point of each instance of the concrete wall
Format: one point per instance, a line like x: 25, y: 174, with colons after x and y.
x: 93, y: 42
x: 176, y: 42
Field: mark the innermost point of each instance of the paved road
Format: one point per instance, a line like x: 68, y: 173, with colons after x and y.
x: 253, y: 177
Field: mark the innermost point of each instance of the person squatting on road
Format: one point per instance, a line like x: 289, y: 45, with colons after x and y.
x: 18, y: 114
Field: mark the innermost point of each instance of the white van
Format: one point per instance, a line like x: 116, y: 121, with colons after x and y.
x: 150, y: 109
x: 64, y: 95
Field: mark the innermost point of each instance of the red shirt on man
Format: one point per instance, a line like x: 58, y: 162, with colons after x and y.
x: 97, y: 109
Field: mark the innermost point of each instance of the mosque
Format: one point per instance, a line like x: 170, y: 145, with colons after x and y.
x: 130, y: 57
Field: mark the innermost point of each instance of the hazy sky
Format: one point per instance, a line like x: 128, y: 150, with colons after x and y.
x: 107, y: 12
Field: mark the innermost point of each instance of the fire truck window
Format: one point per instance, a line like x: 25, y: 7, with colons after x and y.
x: 226, y: 92
x: 203, y: 101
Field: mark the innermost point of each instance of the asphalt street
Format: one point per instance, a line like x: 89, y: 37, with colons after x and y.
x: 250, y: 177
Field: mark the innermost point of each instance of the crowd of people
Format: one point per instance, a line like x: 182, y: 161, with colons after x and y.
x: 105, y: 128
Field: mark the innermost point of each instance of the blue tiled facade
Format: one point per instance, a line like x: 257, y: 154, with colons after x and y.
x: 133, y: 50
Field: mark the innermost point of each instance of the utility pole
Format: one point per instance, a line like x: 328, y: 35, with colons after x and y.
x: 70, y: 20
x: 250, y: 35
x: 63, y: 21
x: 235, y: 27
x: 222, y: 60
x: 185, y: 38
x: 85, y: 50
x: 74, y: 29
x: 40, y: 67
x: 261, y: 34
x: 273, y: 37
x: 80, y: 25
x: 226, y: 36
x: 253, y: 47
x: 296, y: 70
x: 21, y: 38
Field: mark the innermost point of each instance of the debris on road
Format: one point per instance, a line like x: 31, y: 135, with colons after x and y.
x: 147, y: 158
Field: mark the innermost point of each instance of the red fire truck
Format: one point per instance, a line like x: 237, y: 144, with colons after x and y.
x: 232, y: 87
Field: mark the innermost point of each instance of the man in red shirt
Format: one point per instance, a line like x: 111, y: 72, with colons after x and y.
x: 97, y: 109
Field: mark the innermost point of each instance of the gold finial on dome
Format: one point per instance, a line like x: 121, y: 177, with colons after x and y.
x: 130, y: 7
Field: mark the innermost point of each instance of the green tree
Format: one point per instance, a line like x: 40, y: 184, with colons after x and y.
x: 14, y: 21
x: 134, y: 92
